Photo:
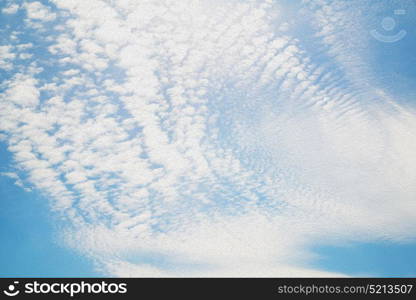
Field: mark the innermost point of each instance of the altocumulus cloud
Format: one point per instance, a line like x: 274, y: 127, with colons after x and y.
x: 206, y: 138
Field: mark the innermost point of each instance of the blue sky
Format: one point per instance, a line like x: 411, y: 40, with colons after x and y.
x: 207, y: 138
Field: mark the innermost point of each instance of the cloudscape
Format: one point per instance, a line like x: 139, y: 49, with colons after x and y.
x: 212, y: 138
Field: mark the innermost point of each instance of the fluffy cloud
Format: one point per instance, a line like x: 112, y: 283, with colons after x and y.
x: 6, y: 56
x: 38, y: 11
x: 11, y: 9
x: 23, y: 91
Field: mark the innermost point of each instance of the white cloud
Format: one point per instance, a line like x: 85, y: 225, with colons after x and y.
x: 11, y: 9
x: 17, y: 180
x: 25, y: 55
x: 23, y: 91
x: 211, y: 142
x: 6, y: 57
x: 38, y: 11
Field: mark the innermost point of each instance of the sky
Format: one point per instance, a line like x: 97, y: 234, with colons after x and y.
x: 217, y: 138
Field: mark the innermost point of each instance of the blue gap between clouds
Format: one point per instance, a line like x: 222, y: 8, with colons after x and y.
x: 378, y: 259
